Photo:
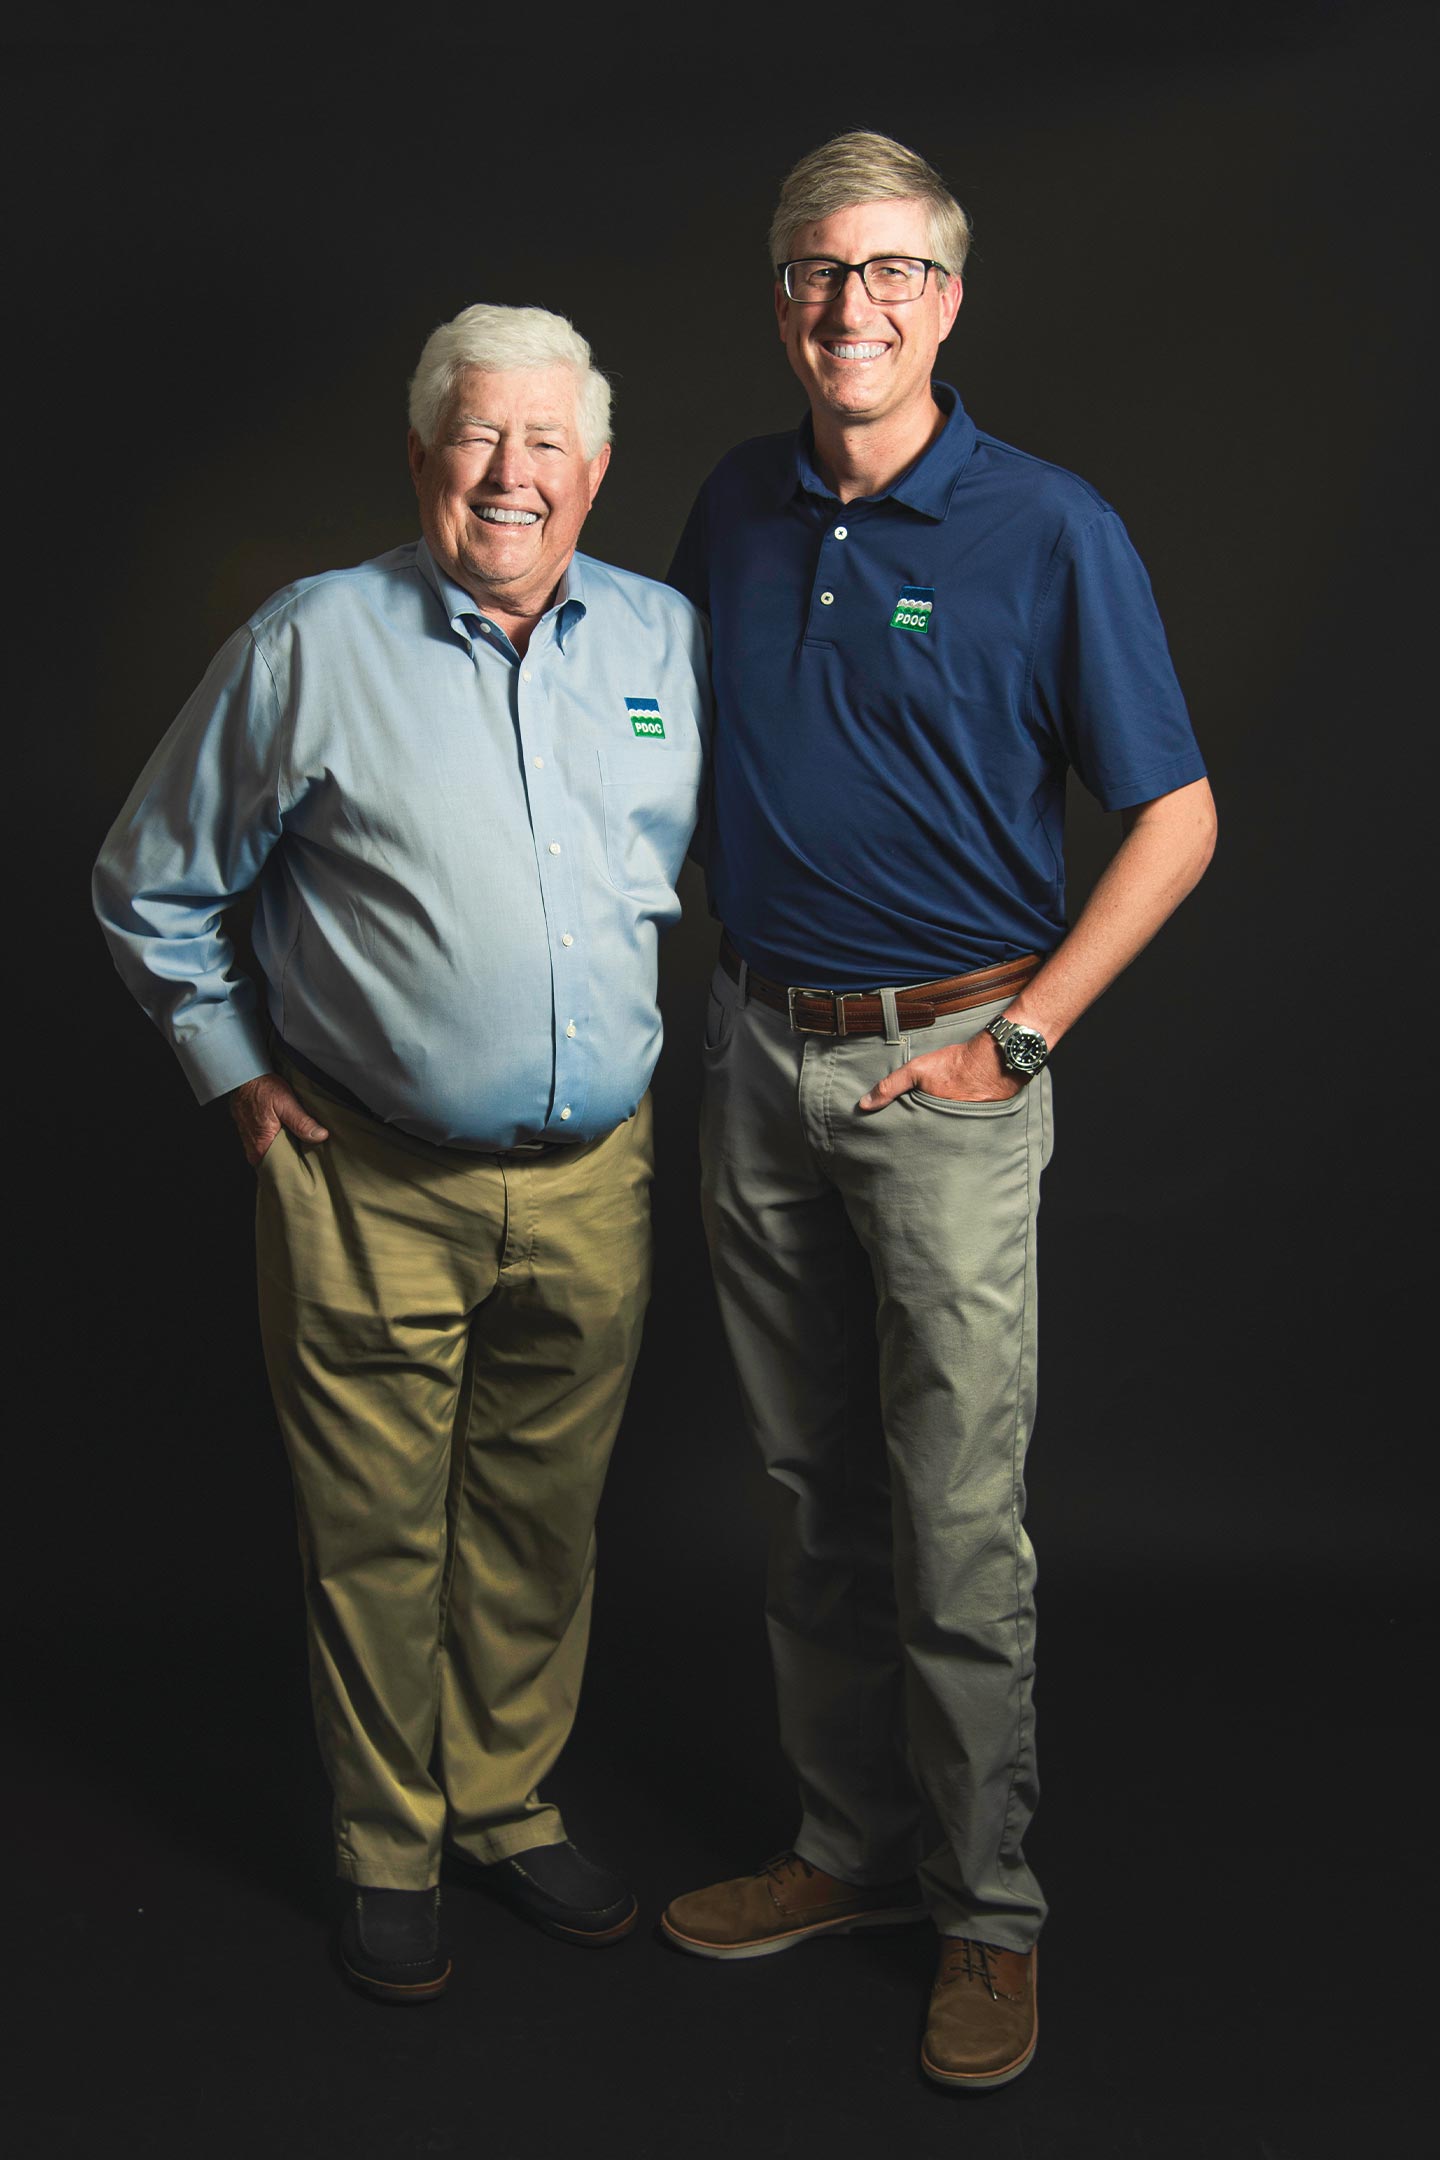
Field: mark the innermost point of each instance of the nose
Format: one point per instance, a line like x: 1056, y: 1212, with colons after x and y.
x: 852, y: 304
x: 509, y: 466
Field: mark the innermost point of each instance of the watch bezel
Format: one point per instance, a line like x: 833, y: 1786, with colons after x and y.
x: 1023, y: 1050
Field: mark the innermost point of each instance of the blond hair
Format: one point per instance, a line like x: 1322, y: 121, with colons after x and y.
x: 859, y: 168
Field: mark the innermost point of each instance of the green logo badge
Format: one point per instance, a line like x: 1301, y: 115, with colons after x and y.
x: 912, y: 609
x: 645, y: 715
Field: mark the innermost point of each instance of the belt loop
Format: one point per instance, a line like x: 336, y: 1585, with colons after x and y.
x: 892, y: 1018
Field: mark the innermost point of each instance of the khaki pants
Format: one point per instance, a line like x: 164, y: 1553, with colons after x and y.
x: 450, y: 1339
x: 876, y: 1276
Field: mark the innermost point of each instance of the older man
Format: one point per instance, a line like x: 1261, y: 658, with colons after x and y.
x: 918, y: 631
x: 460, y: 780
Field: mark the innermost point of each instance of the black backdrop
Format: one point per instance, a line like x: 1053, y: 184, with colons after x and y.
x: 1197, y: 280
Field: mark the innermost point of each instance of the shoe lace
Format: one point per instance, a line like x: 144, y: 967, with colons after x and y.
x: 967, y: 1960
x: 784, y: 1865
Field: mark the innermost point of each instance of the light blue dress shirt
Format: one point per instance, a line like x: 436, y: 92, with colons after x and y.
x: 461, y: 858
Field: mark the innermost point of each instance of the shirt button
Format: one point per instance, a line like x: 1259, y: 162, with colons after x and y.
x: 826, y: 598
x: 538, y: 763
x: 570, y: 1028
x: 566, y: 939
x: 554, y: 847
x: 524, y: 674
x: 842, y: 532
x: 487, y: 629
x: 566, y: 1111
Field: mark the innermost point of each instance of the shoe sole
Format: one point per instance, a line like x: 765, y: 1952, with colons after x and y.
x: 962, y: 2081
x: 770, y: 1945
x: 589, y: 1938
x: 392, y: 1991
x: 459, y: 1870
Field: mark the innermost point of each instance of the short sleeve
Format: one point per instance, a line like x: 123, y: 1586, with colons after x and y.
x: 1102, y: 680
x: 689, y: 573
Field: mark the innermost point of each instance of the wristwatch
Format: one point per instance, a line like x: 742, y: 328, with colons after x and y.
x: 1023, y: 1050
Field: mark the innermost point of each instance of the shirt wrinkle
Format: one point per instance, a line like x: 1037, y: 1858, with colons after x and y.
x: 901, y: 685
x: 437, y: 904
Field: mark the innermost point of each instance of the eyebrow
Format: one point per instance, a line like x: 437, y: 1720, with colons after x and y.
x: 532, y: 427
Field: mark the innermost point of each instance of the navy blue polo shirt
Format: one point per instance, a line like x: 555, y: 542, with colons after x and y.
x: 902, y: 684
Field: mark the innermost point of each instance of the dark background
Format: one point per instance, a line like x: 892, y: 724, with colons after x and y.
x: 1198, y: 280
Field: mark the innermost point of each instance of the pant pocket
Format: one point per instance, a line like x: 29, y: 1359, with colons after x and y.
x: 943, y: 1106
x: 719, y: 1020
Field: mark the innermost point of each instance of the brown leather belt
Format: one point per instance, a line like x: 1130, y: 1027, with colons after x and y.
x: 859, y: 1012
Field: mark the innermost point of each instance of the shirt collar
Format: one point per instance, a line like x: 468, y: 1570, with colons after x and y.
x: 926, y: 486
x: 462, y: 608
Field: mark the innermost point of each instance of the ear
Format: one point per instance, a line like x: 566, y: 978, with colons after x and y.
x: 415, y: 453
x: 599, y: 466
x: 952, y: 292
x: 782, y: 309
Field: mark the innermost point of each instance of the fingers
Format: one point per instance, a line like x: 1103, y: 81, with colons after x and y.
x: 956, y: 1074
x: 896, y: 1083
x: 298, y: 1120
x: 259, y: 1142
x: 264, y: 1108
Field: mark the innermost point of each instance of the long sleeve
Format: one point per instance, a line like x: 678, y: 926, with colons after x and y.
x: 194, y: 835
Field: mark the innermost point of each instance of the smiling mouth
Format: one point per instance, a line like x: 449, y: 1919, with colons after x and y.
x: 492, y: 516
x: 845, y: 351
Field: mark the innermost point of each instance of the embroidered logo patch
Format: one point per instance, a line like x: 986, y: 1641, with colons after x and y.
x: 912, y: 609
x: 645, y: 715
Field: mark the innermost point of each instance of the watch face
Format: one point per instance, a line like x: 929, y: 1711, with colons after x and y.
x: 1026, y: 1050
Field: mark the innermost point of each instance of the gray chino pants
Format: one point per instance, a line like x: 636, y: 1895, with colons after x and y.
x: 876, y: 1277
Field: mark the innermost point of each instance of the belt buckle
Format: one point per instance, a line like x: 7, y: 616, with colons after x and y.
x: 837, y: 1002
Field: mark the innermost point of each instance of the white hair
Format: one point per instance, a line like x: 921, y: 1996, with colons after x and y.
x: 501, y: 338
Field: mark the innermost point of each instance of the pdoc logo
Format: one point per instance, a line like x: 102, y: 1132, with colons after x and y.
x: 912, y: 609
x: 645, y: 715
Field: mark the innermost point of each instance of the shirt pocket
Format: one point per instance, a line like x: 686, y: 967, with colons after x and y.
x: 647, y: 796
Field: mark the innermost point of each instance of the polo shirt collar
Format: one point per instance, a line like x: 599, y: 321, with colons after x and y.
x: 926, y: 486
x: 462, y: 608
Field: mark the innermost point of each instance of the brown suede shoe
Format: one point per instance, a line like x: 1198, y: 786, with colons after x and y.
x: 983, y: 2026
x: 786, y: 1903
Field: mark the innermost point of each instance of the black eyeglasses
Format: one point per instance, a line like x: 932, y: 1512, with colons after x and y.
x: 886, y: 278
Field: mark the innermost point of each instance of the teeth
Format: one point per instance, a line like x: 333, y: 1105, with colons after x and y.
x: 509, y: 517
x: 855, y: 352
